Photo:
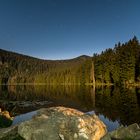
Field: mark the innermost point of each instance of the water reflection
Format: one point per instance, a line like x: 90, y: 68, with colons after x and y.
x: 119, y: 104
x: 114, y: 105
x: 81, y: 98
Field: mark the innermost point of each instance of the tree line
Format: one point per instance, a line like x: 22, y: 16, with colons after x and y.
x: 120, y: 65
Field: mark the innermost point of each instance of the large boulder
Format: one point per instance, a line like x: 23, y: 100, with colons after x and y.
x: 60, y: 123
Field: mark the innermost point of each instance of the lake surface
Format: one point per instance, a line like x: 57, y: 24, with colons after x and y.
x: 115, y: 106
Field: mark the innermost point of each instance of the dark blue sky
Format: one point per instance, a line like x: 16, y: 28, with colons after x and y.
x: 61, y: 29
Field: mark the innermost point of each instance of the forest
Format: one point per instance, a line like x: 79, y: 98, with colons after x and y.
x: 120, y: 65
x: 16, y: 68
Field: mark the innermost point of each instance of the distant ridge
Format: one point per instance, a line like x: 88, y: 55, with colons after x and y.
x: 16, y: 53
x: 20, y: 68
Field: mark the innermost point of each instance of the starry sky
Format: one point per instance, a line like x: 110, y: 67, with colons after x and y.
x: 63, y: 29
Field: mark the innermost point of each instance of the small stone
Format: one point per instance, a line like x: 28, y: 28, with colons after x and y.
x: 75, y: 136
x: 61, y: 136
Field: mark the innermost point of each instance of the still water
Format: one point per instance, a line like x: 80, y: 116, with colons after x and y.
x: 115, y: 106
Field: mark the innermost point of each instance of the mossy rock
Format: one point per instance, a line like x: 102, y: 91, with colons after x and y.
x: 132, y: 132
x: 4, y: 122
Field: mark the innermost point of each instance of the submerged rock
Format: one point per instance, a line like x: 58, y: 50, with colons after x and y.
x: 21, y: 107
x: 132, y: 132
x: 6, y: 115
x: 59, y: 123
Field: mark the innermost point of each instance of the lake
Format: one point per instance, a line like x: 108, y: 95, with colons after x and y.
x: 115, y: 106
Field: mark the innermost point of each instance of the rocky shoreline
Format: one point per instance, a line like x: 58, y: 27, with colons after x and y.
x: 60, y: 123
x: 21, y: 107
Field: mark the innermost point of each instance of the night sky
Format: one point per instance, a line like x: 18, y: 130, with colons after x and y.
x: 62, y: 29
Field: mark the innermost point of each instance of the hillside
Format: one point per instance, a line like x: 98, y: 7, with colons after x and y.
x: 18, y: 68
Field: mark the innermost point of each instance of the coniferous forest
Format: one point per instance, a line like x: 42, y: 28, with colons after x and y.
x: 120, y: 65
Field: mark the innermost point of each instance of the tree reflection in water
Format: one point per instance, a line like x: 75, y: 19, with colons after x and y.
x: 116, y: 104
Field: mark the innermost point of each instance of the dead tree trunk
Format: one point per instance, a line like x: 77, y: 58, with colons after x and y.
x: 92, y: 74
